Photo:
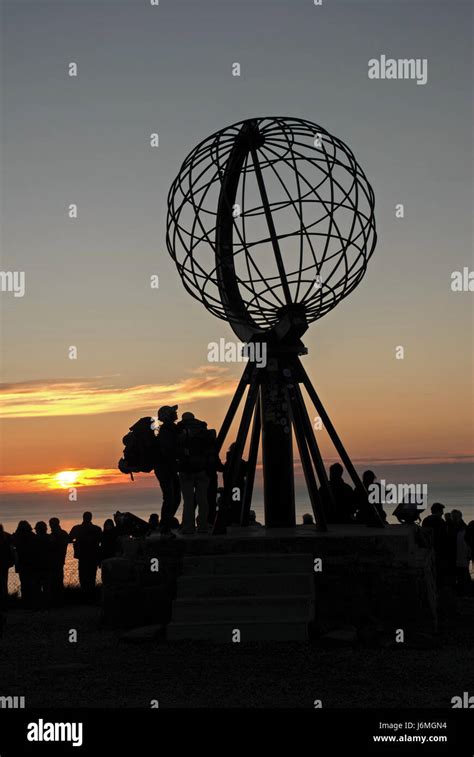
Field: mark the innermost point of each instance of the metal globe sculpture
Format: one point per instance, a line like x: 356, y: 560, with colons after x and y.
x: 271, y: 224
x: 306, y: 238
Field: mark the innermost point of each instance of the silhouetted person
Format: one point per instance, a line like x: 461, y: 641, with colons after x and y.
x: 469, y: 537
x: 59, y: 540
x: 166, y: 469
x: 409, y: 510
x: 451, y: 547
x: 345, y: 503
x: 196, y: 457
x: 439, y: 529
x: 253, y: 522
x: 24, y: 541
x: 458, y: 521
x: 215, y: 466
x: 128, y: 524
x: 86, y: 538
x: 153, y: 524
x: 454, y: 524
x: 119, y: 520
x: 219, y: 498
x: 43, y: 564
x: 108, y: 545
x: 367, y: 505
x: 462, y: 554
x: 308, y: 519
x: 131, y: 525
x: 236, y: 497
x: 6, y: 562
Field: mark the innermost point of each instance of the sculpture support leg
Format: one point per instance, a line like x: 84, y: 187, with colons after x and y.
x: 233, y: 407
x: 337, y: 443
x: 276, y: 402
x: 308, y: 471
x: 314, y: 450
x: 251, y: 466
x: 277, y: 450
x: 224, y: 509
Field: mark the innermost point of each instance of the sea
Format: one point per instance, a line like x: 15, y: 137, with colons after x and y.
x: 452, y: 484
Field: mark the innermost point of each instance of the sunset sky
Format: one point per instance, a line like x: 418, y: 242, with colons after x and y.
x: 85, y: 140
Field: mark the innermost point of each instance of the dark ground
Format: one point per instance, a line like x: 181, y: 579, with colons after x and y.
x: 100, y: 670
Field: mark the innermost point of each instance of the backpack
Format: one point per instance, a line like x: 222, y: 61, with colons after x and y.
x: 141, y: 448
x: 196, y: 448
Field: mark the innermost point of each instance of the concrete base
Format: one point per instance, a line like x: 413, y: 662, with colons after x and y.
x: 339, y: 540
x: 349, y: 575
x: 246, y: 584
x: 259, y: 579
x: 244, y: 597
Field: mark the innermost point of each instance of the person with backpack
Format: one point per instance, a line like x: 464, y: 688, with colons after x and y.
x: 195, y: 462
x: 140, y: 451
x: 166, y: 469
x: 150, y: 449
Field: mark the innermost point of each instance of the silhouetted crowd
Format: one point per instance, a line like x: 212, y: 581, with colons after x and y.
x: 186, y: 465
x: 453, y: 545
x: 184, y: 459
x: 39, y: 557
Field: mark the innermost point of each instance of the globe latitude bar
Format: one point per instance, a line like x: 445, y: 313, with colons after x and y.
x: 271, y: 224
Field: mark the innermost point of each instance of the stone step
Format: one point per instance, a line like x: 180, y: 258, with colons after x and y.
x: 247, y: 563
x: 239, y: 609
x: 247, y: 585
x: 224, y: 632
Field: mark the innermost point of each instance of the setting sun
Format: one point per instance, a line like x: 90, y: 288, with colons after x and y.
x: 66, y: 478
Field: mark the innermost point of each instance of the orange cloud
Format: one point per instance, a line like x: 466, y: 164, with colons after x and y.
x: 57, y: 480
x: 63, y: 397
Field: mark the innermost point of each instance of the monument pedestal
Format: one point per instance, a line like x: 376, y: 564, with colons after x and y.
x: 288, y: 583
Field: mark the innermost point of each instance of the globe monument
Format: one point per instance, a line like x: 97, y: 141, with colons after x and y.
x: 271, y: 224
